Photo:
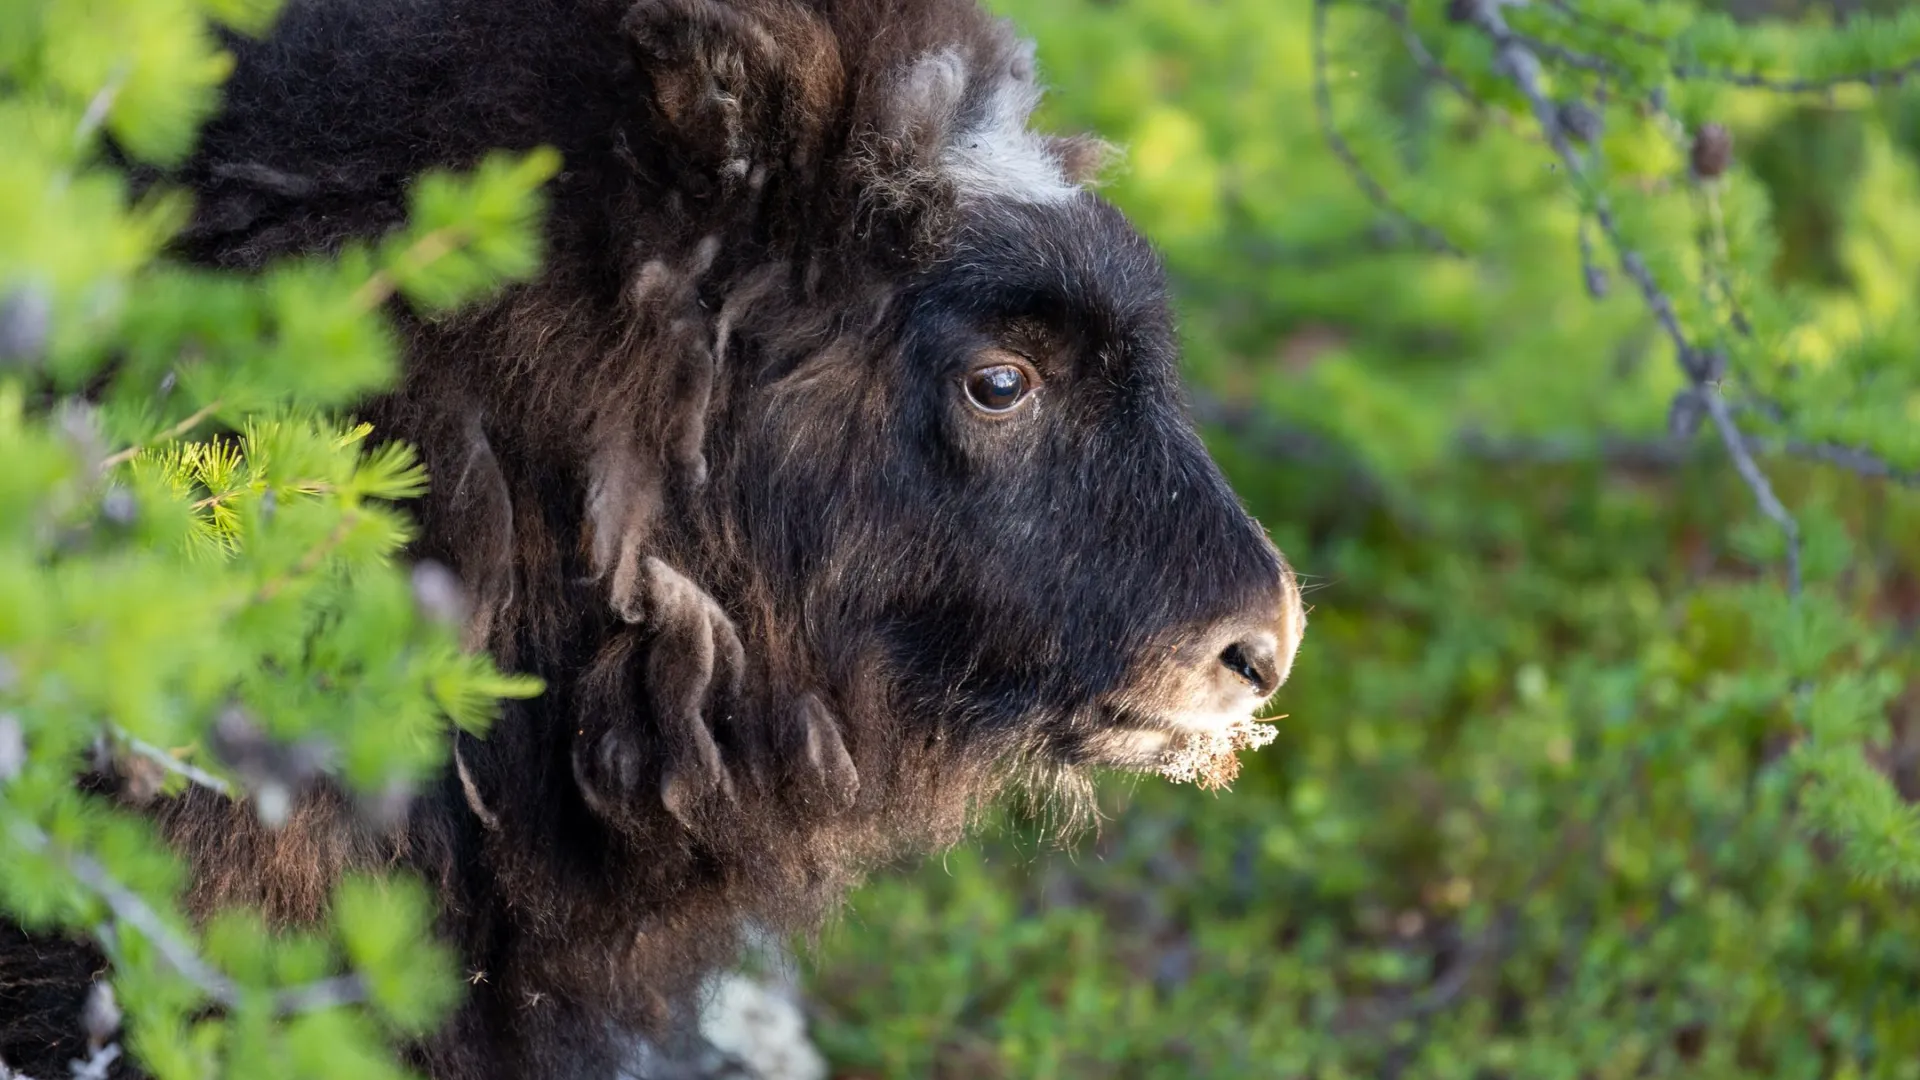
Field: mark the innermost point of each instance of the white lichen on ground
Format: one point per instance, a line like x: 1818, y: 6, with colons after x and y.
x: 761, y: 1028
x: 1211, y: 758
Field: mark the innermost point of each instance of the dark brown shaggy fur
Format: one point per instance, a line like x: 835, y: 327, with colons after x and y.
x: 715, y: 477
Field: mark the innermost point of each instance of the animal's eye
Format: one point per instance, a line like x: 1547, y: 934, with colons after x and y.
x: 1001, y: 384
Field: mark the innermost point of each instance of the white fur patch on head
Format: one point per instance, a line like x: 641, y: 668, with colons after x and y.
x: 998, y: 156
x: 988, y: 151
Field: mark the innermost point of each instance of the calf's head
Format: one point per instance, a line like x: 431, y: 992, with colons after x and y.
x: 991, y: 498
x: 895, y: 433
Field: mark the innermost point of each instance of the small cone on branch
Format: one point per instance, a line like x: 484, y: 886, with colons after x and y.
x: 1712, y: 151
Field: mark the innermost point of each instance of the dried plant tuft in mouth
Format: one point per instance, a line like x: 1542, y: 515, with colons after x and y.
x: 1211, y: 759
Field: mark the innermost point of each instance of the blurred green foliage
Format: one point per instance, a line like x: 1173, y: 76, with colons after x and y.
x: 1568, y: 784
x: 195, y: 554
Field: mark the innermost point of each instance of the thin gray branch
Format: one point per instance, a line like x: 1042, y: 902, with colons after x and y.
x: 129, y: 909
x: 1376, y: 239
x: 330, y: 993
x: 1853, y: 460
x: 1429, y: 64
x: 1276, y: 439
x: 1750, y: 471
x: 1574, y: 14
x: 101, y: 105
x: 174, y: 765
x: 1570, y: 57
x: 1592, y: 274
x: 1610, y: 451
x: 1432, y: 67
x: 1716, y: 279
x: 1886, y: 77
x: 1323, y: 106
x: 1262, y: 433
x: 1520, y: 64
x: 1875, y: 80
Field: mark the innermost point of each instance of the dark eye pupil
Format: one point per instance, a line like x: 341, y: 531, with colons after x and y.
x: 997, y: 388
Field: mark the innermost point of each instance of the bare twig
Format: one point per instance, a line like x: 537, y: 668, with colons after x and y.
x: 333, y: 993
x: 1522, y: 66
x: 1763, y: 493
x: 1853, y: 460
x: 1671, y: 453
x: 1610, y: 451
x: 1875, y: 80
x: 1885, y: 77
x: 1606, y: 26
x: 1570, y: 57
x: 310, y: 561
x: 1266, y: 435
x: 1716, y: 256
x: 173, y: 432
x: 128, y: 909
x: 173, y: 764
x: 1367, y: 243
x: 101, y: 105
x: 1591, y: 273
x: 1716, y: 280
x: 1323, y: 106
x: 422, y: 252
x: 1432, y: 67
x: 1423, y: 56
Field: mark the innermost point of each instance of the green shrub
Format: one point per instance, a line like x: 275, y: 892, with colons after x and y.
x: 196, y: 549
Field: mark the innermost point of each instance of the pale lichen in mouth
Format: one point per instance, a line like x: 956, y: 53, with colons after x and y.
x: 1210, y: 758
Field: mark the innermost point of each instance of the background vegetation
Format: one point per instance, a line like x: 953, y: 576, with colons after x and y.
x: 1571, y: 782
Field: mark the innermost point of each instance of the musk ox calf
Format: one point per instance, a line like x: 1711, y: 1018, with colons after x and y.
x: 835, y: 476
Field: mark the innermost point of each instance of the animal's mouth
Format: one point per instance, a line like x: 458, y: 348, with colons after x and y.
x: 1198, y: 748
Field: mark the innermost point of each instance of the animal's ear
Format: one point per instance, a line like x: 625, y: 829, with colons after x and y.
x: 960, y: 118
x: 735, y: 88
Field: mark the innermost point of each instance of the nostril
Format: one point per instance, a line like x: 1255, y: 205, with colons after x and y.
x: 1256, y: 660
